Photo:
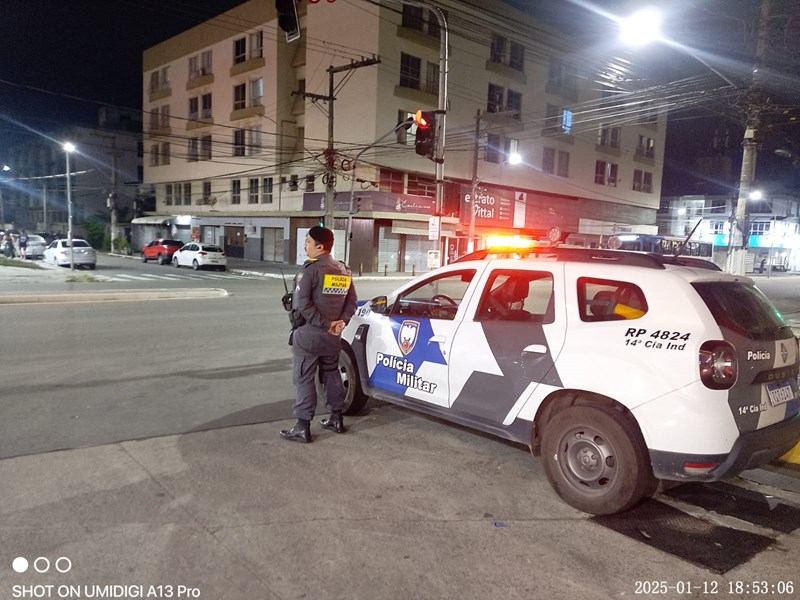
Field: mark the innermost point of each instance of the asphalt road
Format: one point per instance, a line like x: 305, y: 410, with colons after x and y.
x: 90, y: 373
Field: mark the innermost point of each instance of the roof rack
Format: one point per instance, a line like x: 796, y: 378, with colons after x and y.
x: 600, y: 255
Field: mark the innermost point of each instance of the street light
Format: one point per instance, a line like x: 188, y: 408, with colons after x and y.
x: 3, y: 202
x: 69, y: 148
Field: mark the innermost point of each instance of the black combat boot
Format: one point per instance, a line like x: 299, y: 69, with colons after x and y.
x: 334, y: 422
x: 301, y: 432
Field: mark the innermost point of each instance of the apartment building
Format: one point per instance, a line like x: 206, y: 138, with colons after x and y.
x: 237, y: 127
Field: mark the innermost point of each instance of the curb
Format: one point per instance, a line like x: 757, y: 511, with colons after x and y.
x: 110, y: 296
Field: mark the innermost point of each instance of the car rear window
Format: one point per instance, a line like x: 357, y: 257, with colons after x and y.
x: 172, y: 243
x: 78, y: 244
x: 212, y: 248
x: 743, y: 309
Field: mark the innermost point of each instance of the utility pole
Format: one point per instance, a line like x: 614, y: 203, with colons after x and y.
x: 330, y: 152
x: 112, y: 197
x: 473, y: 196
x: 738, y: 256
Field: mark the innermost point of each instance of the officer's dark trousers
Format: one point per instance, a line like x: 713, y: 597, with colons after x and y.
x: 312, y: 350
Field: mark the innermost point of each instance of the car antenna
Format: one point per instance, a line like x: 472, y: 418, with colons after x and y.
x: 679, y: 248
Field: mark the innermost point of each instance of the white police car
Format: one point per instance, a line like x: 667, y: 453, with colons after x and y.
x: 617, y: 368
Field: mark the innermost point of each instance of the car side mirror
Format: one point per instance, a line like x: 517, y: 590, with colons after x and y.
x: 379, y: 305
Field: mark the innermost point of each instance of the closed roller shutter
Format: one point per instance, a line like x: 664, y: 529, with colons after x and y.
x: 272, y: 243
x: 388, y: 250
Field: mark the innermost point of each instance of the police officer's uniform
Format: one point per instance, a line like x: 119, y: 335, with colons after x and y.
x: 323, y: 293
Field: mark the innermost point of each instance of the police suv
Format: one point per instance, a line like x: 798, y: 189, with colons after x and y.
x: 618, y: 368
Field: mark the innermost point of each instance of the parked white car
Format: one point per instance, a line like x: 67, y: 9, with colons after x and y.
x: 58, y: 253
x: 198, y: 255
x: 36, y: 246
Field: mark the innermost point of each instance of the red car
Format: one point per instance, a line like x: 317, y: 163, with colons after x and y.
x: 161, y: 250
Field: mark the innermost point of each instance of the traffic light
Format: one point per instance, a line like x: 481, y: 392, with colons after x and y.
x: 425, y: 144
x: 287, y: 18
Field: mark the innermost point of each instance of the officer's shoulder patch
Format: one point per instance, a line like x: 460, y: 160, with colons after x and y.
x: 336, y: 284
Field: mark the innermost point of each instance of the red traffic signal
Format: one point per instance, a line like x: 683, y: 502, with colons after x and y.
x: 426, y: 133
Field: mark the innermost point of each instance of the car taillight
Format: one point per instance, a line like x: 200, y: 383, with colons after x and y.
x: 201, y: 253
x: 718, y: 365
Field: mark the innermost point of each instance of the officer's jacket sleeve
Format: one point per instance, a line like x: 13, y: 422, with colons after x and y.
x: 305, y: 300
x: 349, y: 308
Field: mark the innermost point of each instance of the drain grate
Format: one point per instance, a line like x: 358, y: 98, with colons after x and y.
x: 690, y: 538
x: 747, y: 505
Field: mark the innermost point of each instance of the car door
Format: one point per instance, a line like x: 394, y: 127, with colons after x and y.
x: 508, y: 342
x: 408, y: 348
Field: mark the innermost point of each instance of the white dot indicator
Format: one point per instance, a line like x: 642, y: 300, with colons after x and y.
x: 20, y: 564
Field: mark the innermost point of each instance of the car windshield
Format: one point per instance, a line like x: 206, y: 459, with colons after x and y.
x: 743, y: 309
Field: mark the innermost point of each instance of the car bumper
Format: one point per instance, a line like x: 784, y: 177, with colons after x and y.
x: 752, y: 449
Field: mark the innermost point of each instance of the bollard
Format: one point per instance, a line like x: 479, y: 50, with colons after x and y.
x: 385, y: 270
x: 413, y: 270
x: 360, y: 269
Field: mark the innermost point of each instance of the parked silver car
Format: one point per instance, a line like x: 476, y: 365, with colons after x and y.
x: 36, y: 246
x: 58, y: 253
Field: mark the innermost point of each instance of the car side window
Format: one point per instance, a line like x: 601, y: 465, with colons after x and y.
x: 518, y: 296
x: 437, y: 298
x: 607, y: 300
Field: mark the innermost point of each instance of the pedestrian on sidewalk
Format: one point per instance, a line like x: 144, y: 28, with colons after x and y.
x: 22, y: 241
x: 323, y: 302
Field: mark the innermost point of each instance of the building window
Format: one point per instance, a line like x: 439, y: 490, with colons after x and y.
x: 239, y: 50
x: 206, y: 191
x: 238, y: 142
x: 561, y: 76
x: 647, y: 113
x: 563, y: 164
x: 206, y: 106
x: 252, y: 191
x: 516, y: 59
x: 256, y: 92
x: 497, y: 50
x: 420, y: 185
x: 549, y: 161
x: 493, y: 148
x: 391, y: 181
x: 194, y: 109
x: 605, y: 173
x: 409, y: 71
x: 187, y: 194
x: 646, y: 147
x: 200, y: 65
x: 494, y: 98
x: 254, y: 145
x: 412, y: 17
x: 239, y: 96
x: 432, y: 78
x: 168, y: 194
x: 205, y: 147
x: 514, y: 102
x: 310, y: 183
x: 159, y: 80
x: 266, y: 190
x: 642, y: 181
x: 154, y: 155
x: 294, y: 183
x: 609, y: 136
x: 165, y: 153
x: 406, y: 136
x: 159, y: 117
x: 257, y: 44
x: 236, y: 191
x: 194, y: 149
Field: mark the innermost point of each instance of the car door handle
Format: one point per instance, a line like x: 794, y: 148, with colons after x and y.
x: 534, y: 349
x: 439, y: 339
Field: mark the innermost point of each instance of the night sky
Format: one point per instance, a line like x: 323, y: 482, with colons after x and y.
x: 60, y: 60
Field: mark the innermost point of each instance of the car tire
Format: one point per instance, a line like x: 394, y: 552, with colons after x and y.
x: 223, y: 268
x: 161, y: 259
x: 354, y: 398
x: 176, y: 263
x: 596, y: 459
x: 144, y: 258
x: 195, y: 266
x: 92, y: 267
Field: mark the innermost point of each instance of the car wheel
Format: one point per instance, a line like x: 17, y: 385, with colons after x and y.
x: 144, y: 258
x: 161, y: 259
x: 596, y: 459
x: 92, y: 267
x: 176, y: 263
x: 195, y: 266
x: 223, y: 268
x: 354, y: 397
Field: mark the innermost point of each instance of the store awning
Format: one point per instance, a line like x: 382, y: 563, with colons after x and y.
x: 151, y: 220
x: 419, y: 227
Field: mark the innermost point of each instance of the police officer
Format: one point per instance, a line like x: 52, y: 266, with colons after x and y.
x: 325, y: 298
